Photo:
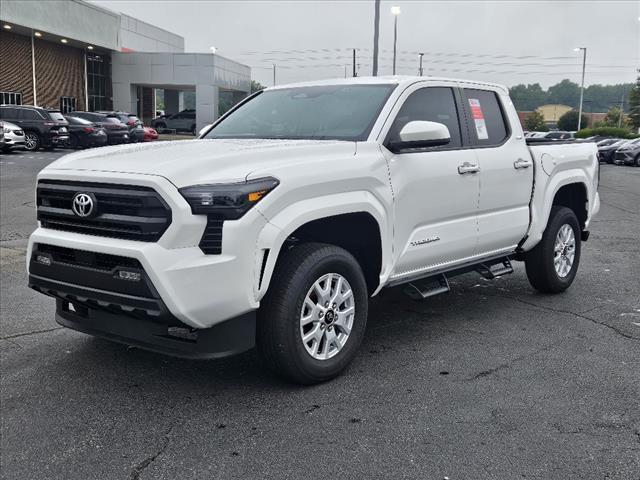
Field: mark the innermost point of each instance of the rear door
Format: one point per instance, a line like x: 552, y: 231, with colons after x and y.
x: 435, y: 189
x: 506, y: 169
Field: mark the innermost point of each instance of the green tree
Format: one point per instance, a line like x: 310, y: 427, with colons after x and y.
x: 535, y: 122
x: 612, y: 119
x: 569, y: 121
x: 566, y: 93
x: 528, y: 97
x: 256, y: 86
x: 634, y: 106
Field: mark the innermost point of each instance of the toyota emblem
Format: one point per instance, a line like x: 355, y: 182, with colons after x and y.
x: 83, y: 204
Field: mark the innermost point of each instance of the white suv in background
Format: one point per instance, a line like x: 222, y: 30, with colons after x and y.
x: 13, y: 137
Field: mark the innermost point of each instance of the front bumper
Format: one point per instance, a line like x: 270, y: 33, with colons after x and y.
x: 624, y: 157
x: 198, y: 290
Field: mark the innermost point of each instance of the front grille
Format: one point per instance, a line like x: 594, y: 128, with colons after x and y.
x: 211, y: 241
x: 82, y: 258
x: 91, y: 270
x: 122, y: 211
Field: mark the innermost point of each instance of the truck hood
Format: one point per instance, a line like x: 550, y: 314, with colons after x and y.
x: 190, y: 162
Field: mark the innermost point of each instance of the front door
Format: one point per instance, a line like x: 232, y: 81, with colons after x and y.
x: 435, y: 189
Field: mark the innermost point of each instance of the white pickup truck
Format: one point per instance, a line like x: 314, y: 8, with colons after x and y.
x: 276, y: 225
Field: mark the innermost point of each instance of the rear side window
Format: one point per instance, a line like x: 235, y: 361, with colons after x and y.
x: 433, y: 104
x: 28, y: 114
x: 9, y: 113
x: 487, y: 125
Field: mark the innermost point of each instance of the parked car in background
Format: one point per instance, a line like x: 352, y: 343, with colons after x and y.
x: 150, y: 134
x: 628, y: 154
x: 117, y: 132
x: 42, y: 127
x: 607, y: 152
x: 184, y: 121
x: 13, y: 137
x: 558, y: 135
x: 83, y: 133
x: 133, y: 123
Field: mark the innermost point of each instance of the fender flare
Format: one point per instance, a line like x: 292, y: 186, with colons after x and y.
x: 281, y: 226
x: 541, y: 204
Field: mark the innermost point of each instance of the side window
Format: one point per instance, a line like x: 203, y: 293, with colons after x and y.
x: 434, y: 104
x: 9, y: 113
x: 29, y: 114
x: 487, y: 125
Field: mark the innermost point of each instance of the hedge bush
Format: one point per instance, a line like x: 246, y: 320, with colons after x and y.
x: 606, y: 132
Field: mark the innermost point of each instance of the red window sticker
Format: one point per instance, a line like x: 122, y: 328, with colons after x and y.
x: 478, y: 119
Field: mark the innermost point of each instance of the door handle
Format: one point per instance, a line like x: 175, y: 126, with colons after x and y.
x: 467, y: 167
x: 521, y: 163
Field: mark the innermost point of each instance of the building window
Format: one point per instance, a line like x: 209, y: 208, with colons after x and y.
x: 99, y: 82
x: 67, y: 104
x: 11, y: 98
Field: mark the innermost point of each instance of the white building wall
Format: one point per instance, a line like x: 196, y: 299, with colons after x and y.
x: 141, y: 36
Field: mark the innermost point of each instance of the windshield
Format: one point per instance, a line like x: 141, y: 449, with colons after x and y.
x: 340, y: 112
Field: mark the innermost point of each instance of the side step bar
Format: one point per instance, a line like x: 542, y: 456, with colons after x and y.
x: 427, y: 287
x: 437, y: 283
x: 495, y: 269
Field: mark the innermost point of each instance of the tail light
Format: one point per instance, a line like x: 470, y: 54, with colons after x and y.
x: 88, y: 129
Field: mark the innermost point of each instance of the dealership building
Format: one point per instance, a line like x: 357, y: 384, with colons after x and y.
x: 73, y: 55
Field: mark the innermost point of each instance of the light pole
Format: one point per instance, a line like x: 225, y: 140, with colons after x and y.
x: 420, y: 71
x: 584, y: 63
x: 376, y: 34
x: 395, y: 11
x: 213, y: 49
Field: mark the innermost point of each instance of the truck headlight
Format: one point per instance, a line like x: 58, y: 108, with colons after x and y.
x: 228, y: 200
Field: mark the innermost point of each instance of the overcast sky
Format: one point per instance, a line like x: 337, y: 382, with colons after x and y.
x: 484, y: 40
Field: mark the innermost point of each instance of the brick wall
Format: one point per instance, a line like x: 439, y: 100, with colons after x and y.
x: 15, y: 65
x: 59, y: 73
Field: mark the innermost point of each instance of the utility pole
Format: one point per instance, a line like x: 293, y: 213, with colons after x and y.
x: 584, y: 62
x: 355, y: 73
x: 274, y: 73
x: 420, y: 72
x: 395, y: 11
x: 621, y: 110
x: 376, y: 34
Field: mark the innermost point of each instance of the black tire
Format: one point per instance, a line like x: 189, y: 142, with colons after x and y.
x: 160, y: 126
x: 193, y: 130
x: 32, y: 141
x: 278, y: 329
x: 539, y: 262
x: 637, y: 160
x: 73, y: 142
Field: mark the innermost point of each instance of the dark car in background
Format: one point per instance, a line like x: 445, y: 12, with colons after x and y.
x: 184, y: 121
x: 84, y: 133
x: 628, y: 154
x: 133, y: 123
x: 117, y: 132
x: 42, y: 127
x: 607, y: 149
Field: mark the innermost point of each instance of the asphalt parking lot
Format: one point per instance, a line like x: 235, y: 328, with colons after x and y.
x: 492, y: 381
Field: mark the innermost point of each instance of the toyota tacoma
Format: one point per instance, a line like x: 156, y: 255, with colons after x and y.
x: 275, y: 226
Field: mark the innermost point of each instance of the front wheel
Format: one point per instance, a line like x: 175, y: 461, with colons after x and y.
x: 552, y: 264
x: 637, y: 162
x: 31, y: 141
x: 312, y: 319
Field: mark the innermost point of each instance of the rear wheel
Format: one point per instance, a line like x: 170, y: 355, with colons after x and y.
x: 160, y: 126
x: 73, y: 142
x: 312, y: 319
x: 32, y: 141
x: 193, y: 130
x: 552, y: 265
x: 637, y: 161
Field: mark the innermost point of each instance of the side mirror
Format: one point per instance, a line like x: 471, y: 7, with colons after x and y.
x: 204, y: 129
x: 420, y: 134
